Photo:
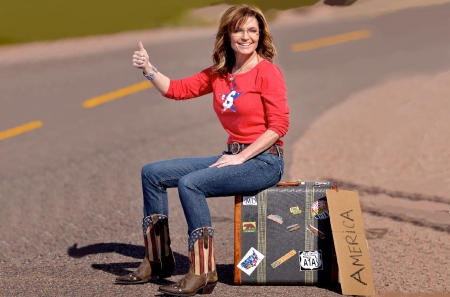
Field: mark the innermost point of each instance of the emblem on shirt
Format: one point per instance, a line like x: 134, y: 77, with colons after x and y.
x: 228, y: 99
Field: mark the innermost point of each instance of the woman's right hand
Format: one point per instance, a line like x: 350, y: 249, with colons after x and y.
x: 140, y: 59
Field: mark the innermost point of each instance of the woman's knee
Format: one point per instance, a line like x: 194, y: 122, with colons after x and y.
x: 189, y: 183
x: 184, y: 183
x: 150, y: 170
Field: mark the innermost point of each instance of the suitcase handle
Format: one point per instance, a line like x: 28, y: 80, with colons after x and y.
x: 288, y: 184
x: 334, y: 185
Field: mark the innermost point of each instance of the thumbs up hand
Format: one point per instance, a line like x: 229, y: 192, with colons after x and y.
x: 140, y: 58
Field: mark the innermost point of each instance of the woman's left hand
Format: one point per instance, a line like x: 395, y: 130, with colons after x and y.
x: 228, y: 160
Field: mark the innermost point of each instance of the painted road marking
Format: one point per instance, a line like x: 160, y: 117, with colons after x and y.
x: 20, y: 129
x: 331, y: 40
x: 96, y: 101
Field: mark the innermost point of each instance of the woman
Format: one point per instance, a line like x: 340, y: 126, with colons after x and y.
x: 249, y: 98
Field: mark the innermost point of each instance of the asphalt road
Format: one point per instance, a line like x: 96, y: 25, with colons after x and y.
x: 76, y: 180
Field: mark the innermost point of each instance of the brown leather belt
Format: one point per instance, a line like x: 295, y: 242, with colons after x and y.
x: 236, y: 148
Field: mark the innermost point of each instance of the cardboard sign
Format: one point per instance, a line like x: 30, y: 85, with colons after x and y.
x: 355, y: 272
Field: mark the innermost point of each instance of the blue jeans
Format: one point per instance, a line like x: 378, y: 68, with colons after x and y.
x: 196, y: 181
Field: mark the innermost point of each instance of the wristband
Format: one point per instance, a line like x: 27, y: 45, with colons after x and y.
x: 150, y: 76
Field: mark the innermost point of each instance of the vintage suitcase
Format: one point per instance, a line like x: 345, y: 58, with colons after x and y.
x: 283, y: 236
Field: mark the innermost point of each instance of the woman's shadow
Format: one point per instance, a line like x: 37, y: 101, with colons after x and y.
x: 225, y: 271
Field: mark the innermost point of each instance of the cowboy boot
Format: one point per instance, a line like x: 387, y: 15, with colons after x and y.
x: 202, y: 275
x: 159, y: 260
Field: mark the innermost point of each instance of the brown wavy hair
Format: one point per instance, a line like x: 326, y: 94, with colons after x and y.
x: 223, y: 56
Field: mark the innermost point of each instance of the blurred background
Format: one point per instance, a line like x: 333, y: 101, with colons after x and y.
x: 29, y: 20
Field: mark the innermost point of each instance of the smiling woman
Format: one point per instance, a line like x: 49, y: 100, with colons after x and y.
x: 249, y: 98
x: 31, y: 20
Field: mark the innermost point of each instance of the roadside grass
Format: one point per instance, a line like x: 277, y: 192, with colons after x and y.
x: 37, y: 20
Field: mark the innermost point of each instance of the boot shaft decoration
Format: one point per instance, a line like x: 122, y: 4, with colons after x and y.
x: 156, y: 236
x: 202, y: 275
x: 159, y: 260
x: 201, y: 251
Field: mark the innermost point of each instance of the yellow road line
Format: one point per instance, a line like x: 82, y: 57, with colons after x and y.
x: 331, y: 40
x: 93, y: 102
x: 20, y: 129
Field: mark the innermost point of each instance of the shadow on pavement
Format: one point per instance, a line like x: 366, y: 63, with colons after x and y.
x: 129, y: 250
x: 225, y: 271
x: 122, y: 268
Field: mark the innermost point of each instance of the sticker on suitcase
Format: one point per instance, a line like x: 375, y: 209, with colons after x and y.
x: 295, y: 210
x: 250, y: 261
x: 310, y: 260
x: 249, y: 227
x: 316, y: 231
x: 319, y: 209
x: 275, y: 218
x: 283, y: 259
x: 293, y: 228
x: 249, y: 200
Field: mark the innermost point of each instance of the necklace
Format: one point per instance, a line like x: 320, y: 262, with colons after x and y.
x: 239, y: 70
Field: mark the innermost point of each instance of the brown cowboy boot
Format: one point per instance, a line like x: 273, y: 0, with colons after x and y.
x: 159, y: 259
x: 202, y: 275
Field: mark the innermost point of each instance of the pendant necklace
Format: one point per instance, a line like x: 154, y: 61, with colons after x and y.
x: 239, y: 70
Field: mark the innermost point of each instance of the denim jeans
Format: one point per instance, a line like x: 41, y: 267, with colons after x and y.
x: 196, y: 181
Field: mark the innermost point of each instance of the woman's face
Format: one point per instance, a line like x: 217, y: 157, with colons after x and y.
x: 244, y: 39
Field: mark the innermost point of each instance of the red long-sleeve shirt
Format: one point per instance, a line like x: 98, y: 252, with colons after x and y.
x: 253, y: 103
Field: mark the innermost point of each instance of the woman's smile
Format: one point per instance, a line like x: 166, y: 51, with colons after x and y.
x: 244, y: 40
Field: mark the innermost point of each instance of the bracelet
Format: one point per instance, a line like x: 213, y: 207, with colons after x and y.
x: 150, y: 76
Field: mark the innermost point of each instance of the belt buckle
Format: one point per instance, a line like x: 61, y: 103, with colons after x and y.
x: 235, y: 148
